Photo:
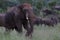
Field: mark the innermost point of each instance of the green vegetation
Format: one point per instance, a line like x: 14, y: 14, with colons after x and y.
x: 40, y: 33
x: 37, y: 4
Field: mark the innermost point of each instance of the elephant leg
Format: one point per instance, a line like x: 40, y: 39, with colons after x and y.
x: 18, y: 27
x: 19, y: 30
x: 28, y: 27
x: 8, y: 30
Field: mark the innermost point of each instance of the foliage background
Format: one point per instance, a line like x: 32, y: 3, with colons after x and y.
x: 37, y: 4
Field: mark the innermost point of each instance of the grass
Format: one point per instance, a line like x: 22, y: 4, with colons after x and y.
x: 40, y: 33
